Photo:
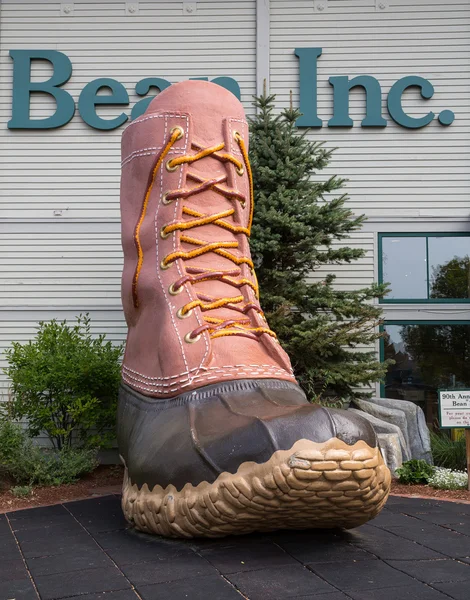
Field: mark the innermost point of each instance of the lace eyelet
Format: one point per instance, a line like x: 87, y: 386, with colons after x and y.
x: 180, y: 131
x: 164, y: 266
x: 191, y: 340
x: 164, y: 235
x: 170, y: 167
x: 240, y: 171
x: 243, y: 203
x: 181, y: 315
x: 173, y: 291
x: 165, y: 200
x: 236, y: 135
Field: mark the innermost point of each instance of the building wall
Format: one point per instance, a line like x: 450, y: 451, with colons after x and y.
x: 60, y: 252
x: 59, y: 224
x: 401, y: 179
x: 418, y: 172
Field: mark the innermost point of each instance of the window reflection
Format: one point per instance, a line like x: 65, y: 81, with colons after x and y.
x: 404, y: 267
x: 427, y: 357
x: 449, y: 267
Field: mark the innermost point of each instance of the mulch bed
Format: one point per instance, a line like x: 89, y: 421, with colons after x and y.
x: 425, y: 490
x: 107, y: 479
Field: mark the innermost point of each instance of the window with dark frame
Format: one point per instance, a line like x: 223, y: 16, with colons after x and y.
x: 425, y: 268
x: 428, y: 355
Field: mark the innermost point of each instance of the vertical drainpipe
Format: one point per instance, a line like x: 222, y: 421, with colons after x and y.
x: 262, y: 45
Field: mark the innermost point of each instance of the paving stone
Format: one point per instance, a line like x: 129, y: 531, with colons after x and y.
x: 49, y: 531
x: 120, y: 595
x: 126, y: 547
x: 388, y: 518
x: 307, y: 552
x: 198, y: 588
x: 426, y: 509
x: 36, y: 514
x: 430, y: 571
x: 64, y: 521
x: 315, y: 537
x: 328, y: 596
x: 415, y: 503
x: 13, y: 569
x: 443, y: 516
x: 462, y: 527
x: 8, y: 548
x: 247, y: 558
x: 99, y: 514
x: 458, y: 590
x: 80, y: 582
x: 386, y: 545
x: 161, y: 571
x: 291, y: 581
x: 415, y: 591
x: 436, y: 538
x: 20, y: 589
x: 4, y: 526
x: 413, y: 528
x: 72, y: 560
x: 245, y: 541
x: 353, y: 575
x: 57, y: 545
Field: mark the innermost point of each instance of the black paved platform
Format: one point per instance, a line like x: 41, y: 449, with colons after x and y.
x: 415, y: 550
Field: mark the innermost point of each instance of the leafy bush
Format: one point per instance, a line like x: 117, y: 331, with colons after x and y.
x: 414, y: 471
x: 448, y: 453
x: 65, y: 383
x: 447, y: 479
x: 28, y: 464
x: 12, y: 440
x: 21, y: 491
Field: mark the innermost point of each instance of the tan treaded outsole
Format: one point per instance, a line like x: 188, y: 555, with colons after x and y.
x: 311, y: 485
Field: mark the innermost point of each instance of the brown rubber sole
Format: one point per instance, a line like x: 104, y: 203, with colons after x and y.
x: 311, y: 485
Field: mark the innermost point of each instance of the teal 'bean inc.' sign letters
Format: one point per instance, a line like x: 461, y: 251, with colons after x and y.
x: 116, y: 94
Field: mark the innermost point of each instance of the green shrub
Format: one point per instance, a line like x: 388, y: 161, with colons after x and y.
x: 415, y: 471
x: 12, y: 439
x: 448, y: 453
x: 65, y: 383
x: 28, y: 464
x: 21, y: 491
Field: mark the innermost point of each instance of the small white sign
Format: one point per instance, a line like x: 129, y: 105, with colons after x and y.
x: 454, y: 408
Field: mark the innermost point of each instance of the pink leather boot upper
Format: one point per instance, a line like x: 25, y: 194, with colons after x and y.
x: 189, y: 290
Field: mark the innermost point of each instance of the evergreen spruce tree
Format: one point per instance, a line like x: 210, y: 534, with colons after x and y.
x: 297, y: 221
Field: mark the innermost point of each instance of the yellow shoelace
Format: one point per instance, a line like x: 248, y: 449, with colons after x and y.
x: 217, y: 327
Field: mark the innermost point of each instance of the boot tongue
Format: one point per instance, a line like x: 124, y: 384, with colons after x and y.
x: 208, y: 105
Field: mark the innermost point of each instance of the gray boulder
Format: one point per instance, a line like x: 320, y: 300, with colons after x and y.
x: 393, y: 415
x: 384, y: 427
x: 417, y: 432
x: 391, y: 450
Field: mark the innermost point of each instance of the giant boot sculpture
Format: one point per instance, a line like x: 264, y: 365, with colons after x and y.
x: 215, y: 433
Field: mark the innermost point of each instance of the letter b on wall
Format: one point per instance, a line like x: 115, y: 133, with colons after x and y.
x: 23, y: 87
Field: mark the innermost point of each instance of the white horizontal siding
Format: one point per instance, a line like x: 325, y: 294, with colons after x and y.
x: 76, y: 168
x: 59, y: 266
x: 356, y: 275
x: 391, y: 169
